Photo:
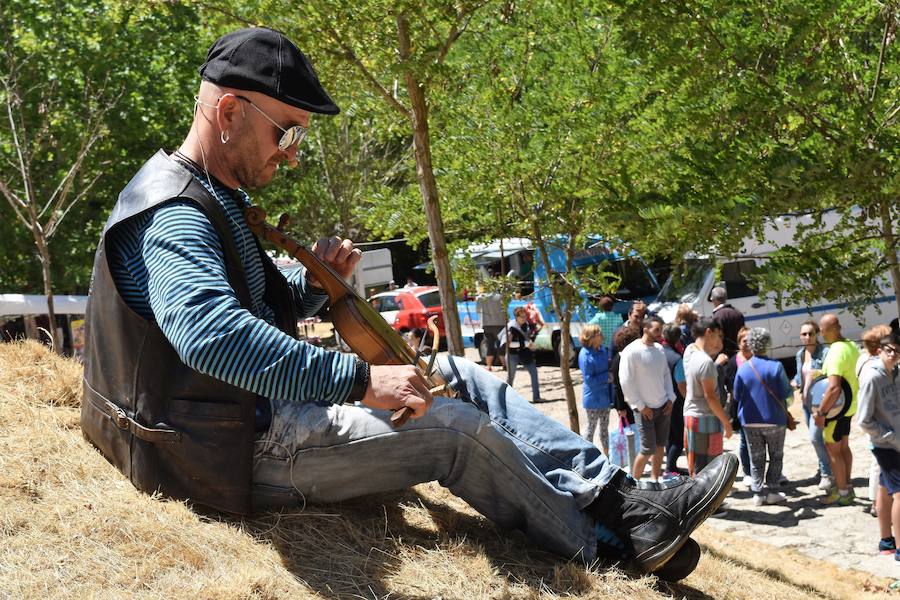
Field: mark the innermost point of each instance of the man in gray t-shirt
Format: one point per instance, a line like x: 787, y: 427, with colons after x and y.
x: 493, y: 320
x: 698, y: 365
x: 704, y: 417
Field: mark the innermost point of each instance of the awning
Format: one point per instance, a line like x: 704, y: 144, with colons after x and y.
x: 30, y: 304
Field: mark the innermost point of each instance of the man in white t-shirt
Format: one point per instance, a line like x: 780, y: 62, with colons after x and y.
x: 704, y: 418
x: 647, y: 386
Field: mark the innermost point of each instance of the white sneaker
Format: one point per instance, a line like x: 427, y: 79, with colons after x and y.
x: 776, y: 498
x: 826, y: 483
x: 759, y: 500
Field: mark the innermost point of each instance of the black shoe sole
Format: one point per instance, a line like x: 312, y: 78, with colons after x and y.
x: 681, y: 564
x: 660, y: 555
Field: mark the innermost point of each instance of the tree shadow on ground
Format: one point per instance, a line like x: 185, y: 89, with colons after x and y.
x: 800, y: 506
x: 356, y: 548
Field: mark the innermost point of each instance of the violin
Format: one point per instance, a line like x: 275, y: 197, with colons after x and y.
x: 358, y: 323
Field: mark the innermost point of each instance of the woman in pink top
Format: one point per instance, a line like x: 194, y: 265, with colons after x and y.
x: 729, y: 371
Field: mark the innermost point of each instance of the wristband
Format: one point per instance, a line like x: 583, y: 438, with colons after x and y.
x: 360, y: 383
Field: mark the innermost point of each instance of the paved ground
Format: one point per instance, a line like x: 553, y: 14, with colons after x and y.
x: 846, y: 536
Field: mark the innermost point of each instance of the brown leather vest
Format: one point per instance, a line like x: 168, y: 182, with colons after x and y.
x: 167, y: 427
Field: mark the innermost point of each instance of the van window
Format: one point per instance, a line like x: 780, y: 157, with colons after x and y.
x: 735, y: 274
x: 686, y: 281
x: 637, y: 281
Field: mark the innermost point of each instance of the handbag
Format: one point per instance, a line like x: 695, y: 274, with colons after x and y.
x: 623, y: 445
x: 791, y: 422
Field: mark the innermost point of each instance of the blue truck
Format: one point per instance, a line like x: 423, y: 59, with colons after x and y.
x: 637, y: 282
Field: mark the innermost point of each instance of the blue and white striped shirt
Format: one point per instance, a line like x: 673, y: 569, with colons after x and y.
x: 169, y: 266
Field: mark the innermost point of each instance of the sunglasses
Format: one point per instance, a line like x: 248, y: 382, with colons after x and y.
x: 291, y: 136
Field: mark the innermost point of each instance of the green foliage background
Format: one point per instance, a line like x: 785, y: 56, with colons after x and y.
x: 677, y: 126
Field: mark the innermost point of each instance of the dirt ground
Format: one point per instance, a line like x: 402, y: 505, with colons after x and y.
x: 846, y: 536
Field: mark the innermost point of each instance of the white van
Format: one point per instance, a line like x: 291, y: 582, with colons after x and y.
x: 693, y: 285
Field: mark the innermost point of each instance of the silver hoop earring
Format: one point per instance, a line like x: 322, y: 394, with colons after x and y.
x: 224, y: 136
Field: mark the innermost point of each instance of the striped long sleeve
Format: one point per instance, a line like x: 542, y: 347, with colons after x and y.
x: 169, y: 266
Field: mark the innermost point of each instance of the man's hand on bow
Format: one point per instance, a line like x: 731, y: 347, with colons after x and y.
x: 394, y: 386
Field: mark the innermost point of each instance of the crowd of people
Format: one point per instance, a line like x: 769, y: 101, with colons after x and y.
x: 686, y: 385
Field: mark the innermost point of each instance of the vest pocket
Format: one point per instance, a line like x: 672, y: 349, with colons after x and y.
x: 211, y: 463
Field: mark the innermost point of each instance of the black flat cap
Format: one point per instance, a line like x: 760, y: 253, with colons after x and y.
x: 264, y: 60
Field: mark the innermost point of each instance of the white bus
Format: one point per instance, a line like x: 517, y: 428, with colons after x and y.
x: 693, y: 285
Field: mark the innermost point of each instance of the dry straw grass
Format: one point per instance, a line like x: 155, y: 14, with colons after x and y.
x: 72, y: 527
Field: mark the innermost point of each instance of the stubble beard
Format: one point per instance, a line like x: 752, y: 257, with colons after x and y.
x: 248, y: 171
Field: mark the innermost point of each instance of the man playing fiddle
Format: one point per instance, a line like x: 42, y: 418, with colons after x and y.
x: 196, y: 386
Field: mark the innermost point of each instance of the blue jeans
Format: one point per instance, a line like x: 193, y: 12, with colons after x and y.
x: 818, y: 442
x: 514, y: 465
x: 744, y: 452
x: 532, y: 370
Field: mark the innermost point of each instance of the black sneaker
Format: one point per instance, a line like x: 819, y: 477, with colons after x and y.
x: 654, y: 520
x: 681, y: 564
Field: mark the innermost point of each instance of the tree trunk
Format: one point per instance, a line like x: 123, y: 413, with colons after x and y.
x: 565, y: 346
x: 428, y: 188
x: 44, y: 253
x: 562, y: 310
x: 890, y: 243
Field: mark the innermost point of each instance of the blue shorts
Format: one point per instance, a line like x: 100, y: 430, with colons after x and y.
x: 889, y: 461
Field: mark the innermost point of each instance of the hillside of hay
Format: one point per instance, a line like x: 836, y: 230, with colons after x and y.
x: 72, y: 527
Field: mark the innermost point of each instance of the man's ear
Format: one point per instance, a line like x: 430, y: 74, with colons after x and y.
x: 229, y: 107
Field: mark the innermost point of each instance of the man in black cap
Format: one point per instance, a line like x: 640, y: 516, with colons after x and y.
x: 196, y: 386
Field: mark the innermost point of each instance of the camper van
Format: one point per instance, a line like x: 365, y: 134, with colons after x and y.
x: 637, y: 282
x: 701, y: 273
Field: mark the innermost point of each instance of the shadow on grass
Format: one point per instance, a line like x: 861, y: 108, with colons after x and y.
x: 357, y: 547
x: 772, y: 574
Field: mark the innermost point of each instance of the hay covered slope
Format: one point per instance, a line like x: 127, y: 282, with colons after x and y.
x: 72, y: 526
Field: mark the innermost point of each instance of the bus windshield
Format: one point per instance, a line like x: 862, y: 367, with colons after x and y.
x: 637, y: 281
x: 685, y: 282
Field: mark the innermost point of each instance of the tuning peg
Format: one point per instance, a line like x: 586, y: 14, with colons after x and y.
x: 283, y: 221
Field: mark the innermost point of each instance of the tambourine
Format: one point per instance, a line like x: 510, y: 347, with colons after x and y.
x: 817, y: 391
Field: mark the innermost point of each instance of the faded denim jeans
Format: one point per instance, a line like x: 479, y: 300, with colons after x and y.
x: 818, y: 442
x: 531, y: 367
x: 489, y: 446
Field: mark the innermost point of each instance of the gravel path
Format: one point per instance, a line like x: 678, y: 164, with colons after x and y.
x: 846, y: 536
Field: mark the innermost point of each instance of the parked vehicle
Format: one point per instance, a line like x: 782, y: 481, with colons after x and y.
x: 410, y: 308
x: 637, y: 282
x: 701, y: 273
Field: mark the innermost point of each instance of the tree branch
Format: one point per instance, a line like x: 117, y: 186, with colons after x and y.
x: 23, y: 170
x: 58, y: 198
x: 350, y: 55
x: 884, y: 42
x: 13, y: 199
x: 53, y: 225
x: 464, y: 17
x: 220, y: 10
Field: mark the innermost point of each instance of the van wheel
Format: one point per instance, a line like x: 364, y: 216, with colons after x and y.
x: 557, y: 351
